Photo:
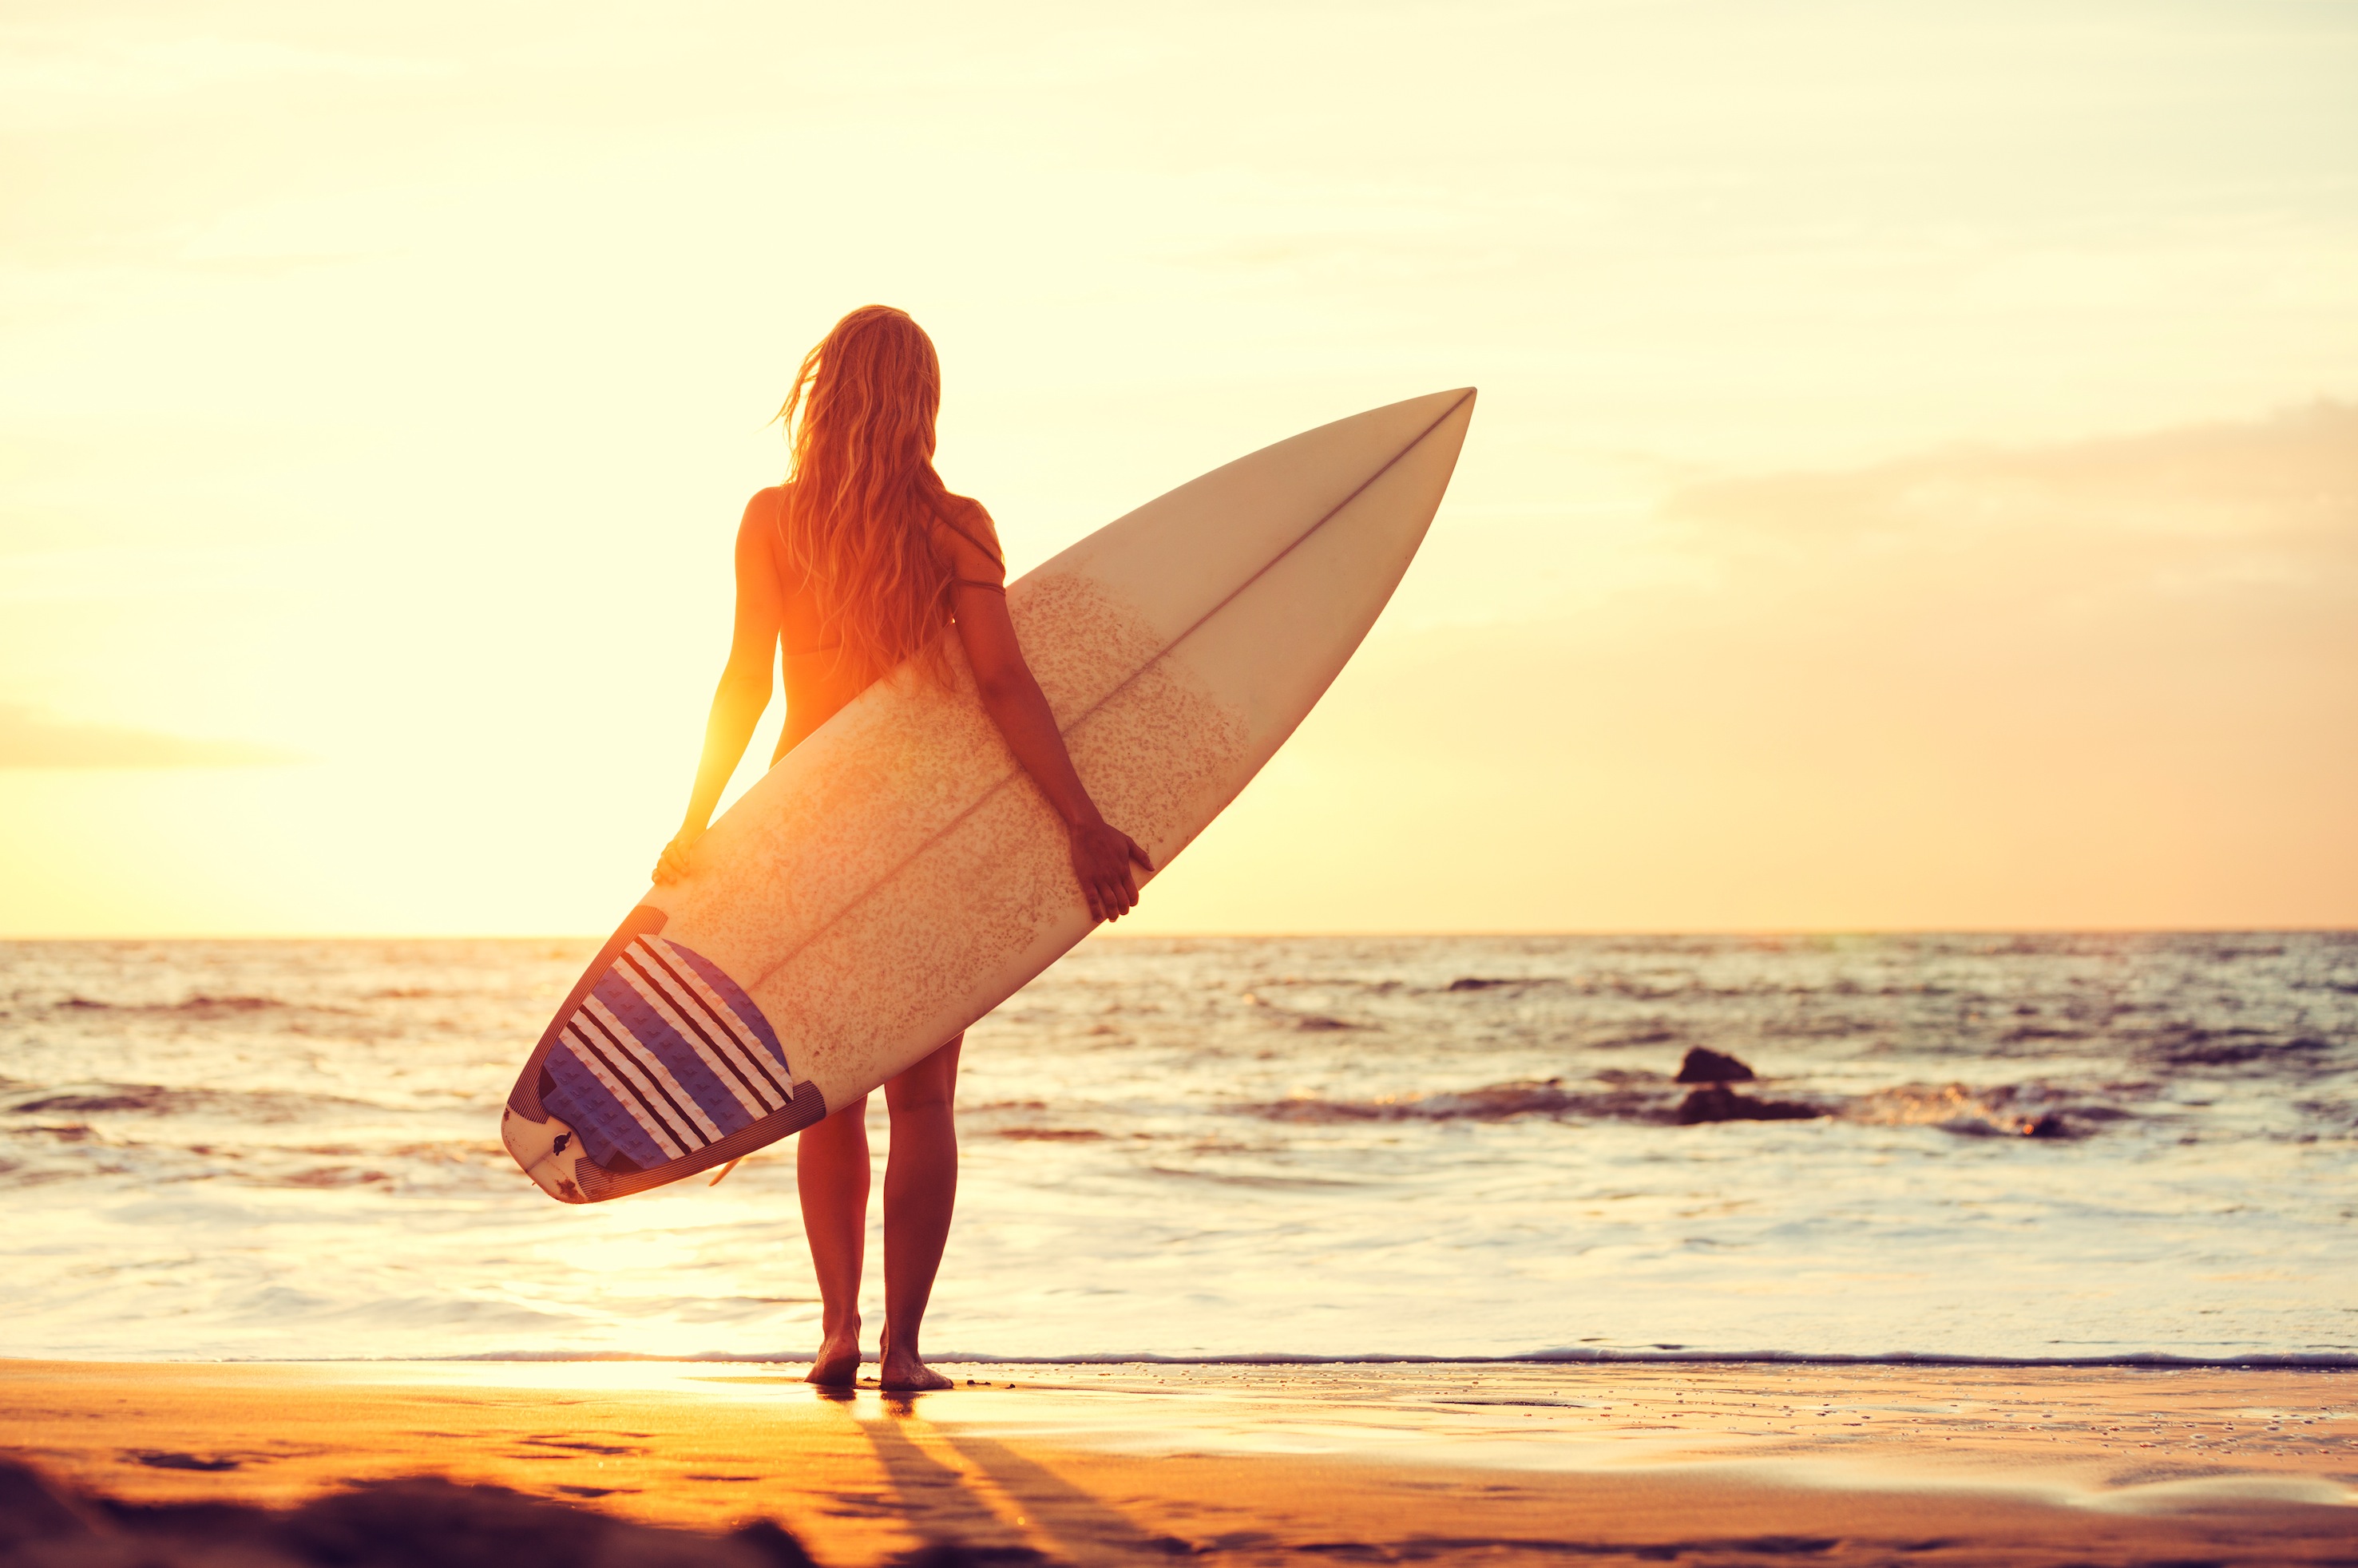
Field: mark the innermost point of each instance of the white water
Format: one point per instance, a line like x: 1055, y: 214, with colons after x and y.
x: 1242, y: 1147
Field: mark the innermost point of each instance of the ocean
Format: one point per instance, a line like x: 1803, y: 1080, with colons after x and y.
x: 2038, y: 1148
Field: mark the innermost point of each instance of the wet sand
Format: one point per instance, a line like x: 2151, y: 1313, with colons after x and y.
x: 1704, y: 1464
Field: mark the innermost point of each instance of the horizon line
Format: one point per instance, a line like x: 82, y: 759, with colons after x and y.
x: 1277, y: 935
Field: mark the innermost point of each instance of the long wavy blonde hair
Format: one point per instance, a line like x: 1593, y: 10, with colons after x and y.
x: 862, y: 495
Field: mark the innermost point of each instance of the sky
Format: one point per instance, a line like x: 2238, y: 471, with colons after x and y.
x: 1915, y: 484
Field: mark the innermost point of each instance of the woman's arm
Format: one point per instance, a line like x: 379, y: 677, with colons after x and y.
x: 744, y: 690
x: 1102, y: 855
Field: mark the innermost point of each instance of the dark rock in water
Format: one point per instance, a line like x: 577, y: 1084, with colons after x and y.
x: 1702, y: 1066
x: 2052, y: 1125
x: 421, y: 1523
x: 1717, y: 1102
x: 1476, y: 983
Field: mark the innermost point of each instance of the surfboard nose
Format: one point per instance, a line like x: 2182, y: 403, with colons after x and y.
x: 1286, y: 631
x: 1265, y: 501
x: 1405, y: 422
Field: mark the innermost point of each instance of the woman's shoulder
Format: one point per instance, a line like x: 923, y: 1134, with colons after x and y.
x: 963, y: 525
x: 758, y: 529
x: 768, y: 502
x: 967, y: 511
x: 766, y: 510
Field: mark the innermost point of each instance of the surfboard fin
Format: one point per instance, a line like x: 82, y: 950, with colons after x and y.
x: 722, y: 1171
x: 548, y: 1151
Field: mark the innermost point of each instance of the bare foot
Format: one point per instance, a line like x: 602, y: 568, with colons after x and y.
x: 901, y: 1372
x: 837, y: 1365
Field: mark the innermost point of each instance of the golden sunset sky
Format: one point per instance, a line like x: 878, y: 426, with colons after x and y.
x: 1915, y: 485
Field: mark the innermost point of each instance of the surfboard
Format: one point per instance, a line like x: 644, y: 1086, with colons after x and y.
x: 897, y: 875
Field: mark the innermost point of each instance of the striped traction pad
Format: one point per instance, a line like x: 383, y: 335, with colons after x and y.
x: 666, y: 1056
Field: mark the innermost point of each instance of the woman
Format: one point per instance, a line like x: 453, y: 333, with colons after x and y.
x: 852, y: 568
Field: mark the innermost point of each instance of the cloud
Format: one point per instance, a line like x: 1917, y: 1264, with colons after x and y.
x: 2096, y: 684
x: 29, y: 740
x: 2276, y: 497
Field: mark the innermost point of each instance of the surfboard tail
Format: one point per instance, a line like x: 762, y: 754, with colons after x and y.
x: 658, y: 1065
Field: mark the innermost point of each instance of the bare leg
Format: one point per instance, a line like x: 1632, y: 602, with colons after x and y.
x: 831, y: 1169
x: 920, y: 1190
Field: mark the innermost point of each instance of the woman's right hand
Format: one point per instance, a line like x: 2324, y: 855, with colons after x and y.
x: 1102, y: 856
x: 674, y: 864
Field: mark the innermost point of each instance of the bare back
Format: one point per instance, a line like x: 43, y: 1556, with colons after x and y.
x: 817, y: 685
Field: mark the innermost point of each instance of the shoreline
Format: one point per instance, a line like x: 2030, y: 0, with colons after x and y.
x: 2323, y: 1361
x: 1272, y: 1462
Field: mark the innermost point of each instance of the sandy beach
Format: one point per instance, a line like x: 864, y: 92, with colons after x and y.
x: 1501, y: 1463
